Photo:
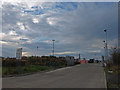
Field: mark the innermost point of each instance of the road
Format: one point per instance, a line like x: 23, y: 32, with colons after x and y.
x: 79, y: 76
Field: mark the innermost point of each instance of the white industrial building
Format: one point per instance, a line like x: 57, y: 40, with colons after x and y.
x: 70, y: 60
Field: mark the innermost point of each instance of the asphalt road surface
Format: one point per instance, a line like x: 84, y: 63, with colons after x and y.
x: 79, y: 76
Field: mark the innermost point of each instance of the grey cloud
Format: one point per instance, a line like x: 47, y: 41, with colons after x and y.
x: 75, y: 30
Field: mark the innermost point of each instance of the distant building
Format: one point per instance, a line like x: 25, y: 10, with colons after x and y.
x: 83, y: 61
x: 70, y: 60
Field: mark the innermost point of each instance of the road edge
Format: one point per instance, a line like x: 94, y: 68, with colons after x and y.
x: 47, y: 71
x: 105, y: 80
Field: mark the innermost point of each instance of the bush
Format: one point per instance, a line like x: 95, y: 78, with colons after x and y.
x: 13, y: 63
x: 33, y: 60
x: 115, y: 56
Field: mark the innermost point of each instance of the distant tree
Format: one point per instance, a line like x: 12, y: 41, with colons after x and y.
x: 115, y: 56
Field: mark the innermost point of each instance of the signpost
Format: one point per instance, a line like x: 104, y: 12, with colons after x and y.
x: 18, y: 58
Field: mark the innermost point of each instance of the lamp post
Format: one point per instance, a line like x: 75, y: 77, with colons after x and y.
x: 53, y: 47
x: 106, y: 47
x: 37, y: 51
x: 79, y: 56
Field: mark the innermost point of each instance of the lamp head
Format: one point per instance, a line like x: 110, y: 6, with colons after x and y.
x: 105, y: 30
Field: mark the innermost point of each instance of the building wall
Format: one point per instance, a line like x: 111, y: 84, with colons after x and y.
x: 83, y: 61
x: 70, y: 60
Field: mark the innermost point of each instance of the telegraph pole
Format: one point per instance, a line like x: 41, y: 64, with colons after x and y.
x: 53, y: 47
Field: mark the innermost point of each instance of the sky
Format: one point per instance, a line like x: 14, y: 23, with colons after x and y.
x: 76, y: 27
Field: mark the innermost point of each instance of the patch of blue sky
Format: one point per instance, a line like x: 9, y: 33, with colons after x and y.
x: 28, y: 11
x: 35, y: 7
x: 22, y: 8
x: 68, y: 6
x: 74, y: 4
x: 34, y: 12
x: 59, y: 7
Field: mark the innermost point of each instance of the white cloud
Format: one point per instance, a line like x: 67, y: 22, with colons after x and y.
x: 26, y: 53
x: 46, y: 41
x: 94, y: 51
x: 12, y: 33
x: 35, y: 20
x: 65, y: 52
x: 3, y: 42
x: 21, y: 25
x: 51, y: 21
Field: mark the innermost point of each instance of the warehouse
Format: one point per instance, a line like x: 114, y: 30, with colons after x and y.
x: 70, y: 60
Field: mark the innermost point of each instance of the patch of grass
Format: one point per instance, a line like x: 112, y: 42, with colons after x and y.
x: 113, y: 68
x: 24, y: 69
x: 34, y: 68
x: 115, y: 72
x: 8, y: 70
x: 106, y: 69
x: 111, y: 85
x: 0, y: 70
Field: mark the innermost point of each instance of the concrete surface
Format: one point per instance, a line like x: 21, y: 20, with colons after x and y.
x: 79, y: 76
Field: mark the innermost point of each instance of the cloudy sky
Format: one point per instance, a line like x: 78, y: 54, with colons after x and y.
x: 76, y: 27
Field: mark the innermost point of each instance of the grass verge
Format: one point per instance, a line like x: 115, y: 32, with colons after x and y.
x: 112, y: 78
x: 24, y: 69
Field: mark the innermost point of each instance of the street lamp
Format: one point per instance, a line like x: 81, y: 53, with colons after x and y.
x: 37, y: 51
x: 20, y: 42
x: 53, y: 47
x: 106, y: 48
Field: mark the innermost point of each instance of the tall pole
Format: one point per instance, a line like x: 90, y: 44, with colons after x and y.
x: 53, y: 47
x: 19, y: 42
x: 95, y: 57
x: 106, y: 48
x: 37, y: 51
x: 79, y: 56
